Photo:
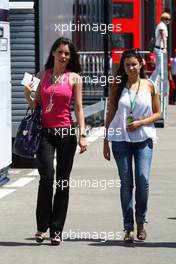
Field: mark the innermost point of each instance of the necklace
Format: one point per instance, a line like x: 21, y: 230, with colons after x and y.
x: 54, y: 80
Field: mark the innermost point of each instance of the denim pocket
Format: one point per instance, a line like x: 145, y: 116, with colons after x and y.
x: 149, y: 142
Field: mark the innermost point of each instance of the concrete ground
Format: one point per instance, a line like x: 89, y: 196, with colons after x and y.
x: 93, y: 229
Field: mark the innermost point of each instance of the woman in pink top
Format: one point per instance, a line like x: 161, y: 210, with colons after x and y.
x: 59, y: 82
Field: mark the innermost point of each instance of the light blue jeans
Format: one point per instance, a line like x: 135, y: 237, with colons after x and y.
x: 124, y: 154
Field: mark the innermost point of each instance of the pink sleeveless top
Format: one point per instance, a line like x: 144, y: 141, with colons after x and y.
x: 60, y: 115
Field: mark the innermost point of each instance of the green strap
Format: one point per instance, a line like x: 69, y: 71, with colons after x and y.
x: 133, y: 102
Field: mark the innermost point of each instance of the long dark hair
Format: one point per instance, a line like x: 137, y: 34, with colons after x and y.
x: 73, y: 64
x: 121, y: 71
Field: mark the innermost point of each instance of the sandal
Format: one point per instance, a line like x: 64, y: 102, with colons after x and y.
x: 55, y: 241
x: 141, y: 234
x: 129, y: 236
x: 40, y: 236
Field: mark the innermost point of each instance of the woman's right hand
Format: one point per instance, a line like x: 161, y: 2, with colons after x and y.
x: 82, y: 144
x: 28, y: 89
x: 27, y: 92
x: 106, y: 150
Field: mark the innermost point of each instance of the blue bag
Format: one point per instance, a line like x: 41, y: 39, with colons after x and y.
x: 28, y: 136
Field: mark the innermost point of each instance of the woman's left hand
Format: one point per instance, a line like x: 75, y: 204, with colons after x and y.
x: 82, y: 144
x: 134, y: 125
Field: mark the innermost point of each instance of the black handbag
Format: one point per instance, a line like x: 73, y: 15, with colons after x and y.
x: 28, y: 136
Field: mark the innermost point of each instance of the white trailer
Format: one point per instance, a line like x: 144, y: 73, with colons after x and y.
x: 5, y: 90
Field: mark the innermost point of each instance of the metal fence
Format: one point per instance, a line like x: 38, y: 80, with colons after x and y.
x: 94, y: 81
x: 92, y: 63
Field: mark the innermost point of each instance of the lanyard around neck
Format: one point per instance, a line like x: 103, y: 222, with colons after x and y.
x: 133, y: 102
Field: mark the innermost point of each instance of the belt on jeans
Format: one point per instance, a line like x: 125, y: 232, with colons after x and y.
x: 158, y: 47
x: 59, y: 131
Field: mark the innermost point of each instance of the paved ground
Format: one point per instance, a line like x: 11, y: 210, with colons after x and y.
x: 93, y: 230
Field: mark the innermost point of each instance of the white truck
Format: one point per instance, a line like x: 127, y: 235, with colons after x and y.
x: 5, y: 91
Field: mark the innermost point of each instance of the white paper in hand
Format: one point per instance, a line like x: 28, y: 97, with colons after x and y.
x: 28, y: 78
x: 36, y: 83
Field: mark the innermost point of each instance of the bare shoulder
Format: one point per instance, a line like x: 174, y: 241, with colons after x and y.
x: 75, y: 75
x: 40, y: 74
x: 149, y: 85
x: 75, y: 78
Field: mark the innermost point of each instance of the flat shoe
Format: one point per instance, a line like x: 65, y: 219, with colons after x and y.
x: 40, y: 236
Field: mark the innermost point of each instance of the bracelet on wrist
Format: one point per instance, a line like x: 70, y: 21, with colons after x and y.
x: 83, y: 135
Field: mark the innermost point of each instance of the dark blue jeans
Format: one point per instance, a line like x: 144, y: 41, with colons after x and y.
x: 124, y: 154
